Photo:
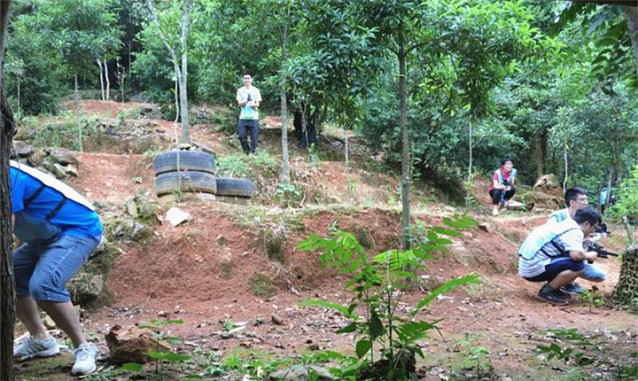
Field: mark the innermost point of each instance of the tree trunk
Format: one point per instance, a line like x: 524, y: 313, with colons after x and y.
x: 405, y: 143
x: 99, y: 64
x: 7, y: 285
x: 108, y: 82
x: 77, y: 113
x: 631, y: 13
x: 285, y: 162
x: 183, y: 80
x: 469, y: 167
x: 540, y: 145
x: 626, y: 291
x: 182, y: 75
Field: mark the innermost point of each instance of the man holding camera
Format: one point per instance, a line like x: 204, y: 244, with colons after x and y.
x: 502, y: 188
x: 554, y: 253
x: 248, y: 98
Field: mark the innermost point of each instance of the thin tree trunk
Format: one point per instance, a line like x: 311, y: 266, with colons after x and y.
x: 183, y: 79
x: 405, y: 143
x: 285, y: 165
x: 7, y: 285
x: 304, y: 120
x: 77, y: 113
x: 631, y: 13
x: 108, y: 82
x: 347, y: 157
x: 539, y: 152
x: 469, y: 169
x: 180, y: 74
x: 609, y: 180
x: 566, y: 166
x: 99, y: 64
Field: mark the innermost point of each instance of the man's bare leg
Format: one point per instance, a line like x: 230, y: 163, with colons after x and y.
x: 27, y: 313
x: 63, y: 314
x: 65, y: 317
x: 564, y: 278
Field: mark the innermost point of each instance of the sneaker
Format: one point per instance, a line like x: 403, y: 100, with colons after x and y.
x: 84, y: 359
x: 32, y: 347
x: 563, y: 294
x: 551, y: 298
x: 574, y: 288
x: 495, y: 211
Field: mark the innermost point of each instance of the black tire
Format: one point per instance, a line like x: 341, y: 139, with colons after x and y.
x: 188, y: 161
x: 191, y: 181
x: 235, y: 187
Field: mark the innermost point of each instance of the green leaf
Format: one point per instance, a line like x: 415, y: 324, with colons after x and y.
x: 349, y: 328
x: 445, y: 288
x: 132, y: 367
x: 362, y: 347
x: 376, y: 326
x: 175, y: 357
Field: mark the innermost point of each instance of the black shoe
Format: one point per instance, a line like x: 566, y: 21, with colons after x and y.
x: 574, y: 288
x: 563, y: 294
x: 551, y: 298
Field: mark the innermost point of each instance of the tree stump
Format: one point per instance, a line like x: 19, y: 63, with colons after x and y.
x: 626, y: 291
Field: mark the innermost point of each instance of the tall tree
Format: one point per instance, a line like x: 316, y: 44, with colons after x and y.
x: 180, y: 64
x: 7, y: 285
x: 82, y: 31
x: 477, y: 41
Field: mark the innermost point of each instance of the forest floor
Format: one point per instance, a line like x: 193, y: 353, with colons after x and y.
x: 207, y: 273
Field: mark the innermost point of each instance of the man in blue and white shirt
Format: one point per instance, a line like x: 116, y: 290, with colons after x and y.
x: 248, y: 99
x: 554, y: 253
x: 59, y: 229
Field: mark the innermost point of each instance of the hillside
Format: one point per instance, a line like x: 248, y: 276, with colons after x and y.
x: 240, y: 263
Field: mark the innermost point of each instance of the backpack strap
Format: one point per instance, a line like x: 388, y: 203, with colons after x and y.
x: 558, y: 247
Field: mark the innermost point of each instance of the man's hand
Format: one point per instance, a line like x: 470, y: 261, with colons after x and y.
x: 591, y: 256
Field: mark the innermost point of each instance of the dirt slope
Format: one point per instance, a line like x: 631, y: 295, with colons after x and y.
x: 208, y: 270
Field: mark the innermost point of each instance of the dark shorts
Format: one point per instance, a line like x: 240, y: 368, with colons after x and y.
x: 557, y: 266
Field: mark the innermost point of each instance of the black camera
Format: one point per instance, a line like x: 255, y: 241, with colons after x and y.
x: 249, y: 98
x: 506, y: 182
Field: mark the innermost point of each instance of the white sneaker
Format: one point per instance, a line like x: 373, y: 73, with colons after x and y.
x: 495, y: 211
x: 32, y: 347
x: 84, y: 359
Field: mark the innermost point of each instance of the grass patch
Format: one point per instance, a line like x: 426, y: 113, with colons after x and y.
x: 262, y: 286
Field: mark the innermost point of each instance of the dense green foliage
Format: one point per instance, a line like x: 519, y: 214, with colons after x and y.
x: 540, y: 81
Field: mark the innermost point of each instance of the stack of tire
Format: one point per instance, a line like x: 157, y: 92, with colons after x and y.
x: 194, y: 171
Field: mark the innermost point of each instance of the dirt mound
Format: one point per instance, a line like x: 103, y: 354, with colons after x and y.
x: 238, y: 263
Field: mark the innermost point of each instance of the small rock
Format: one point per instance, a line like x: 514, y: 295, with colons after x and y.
x: 132, y: 345
x: 226, y: 335
x: 276, y: 319
x: 177, y: 216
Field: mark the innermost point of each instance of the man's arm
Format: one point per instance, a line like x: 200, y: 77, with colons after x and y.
x: 583, y: 256
x: 257, y: 98
x: 573, y: 243
x: 240, y: 102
